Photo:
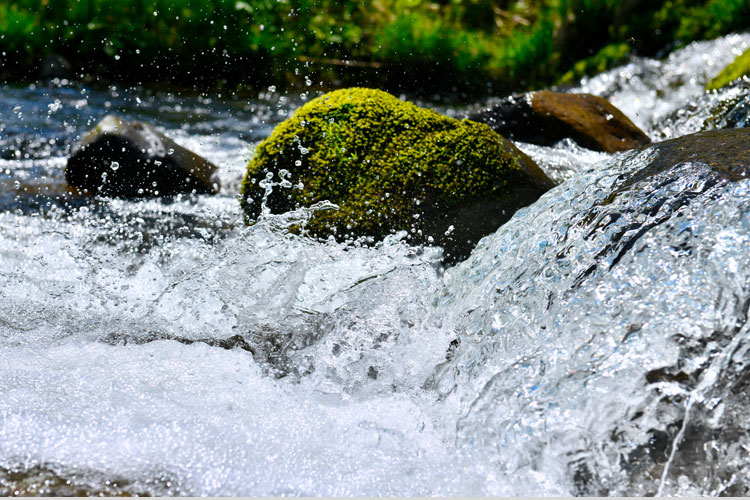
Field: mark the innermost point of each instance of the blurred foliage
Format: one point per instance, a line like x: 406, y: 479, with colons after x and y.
x: 738, y: 68
x: 389, y: 43
x: 608, y: 57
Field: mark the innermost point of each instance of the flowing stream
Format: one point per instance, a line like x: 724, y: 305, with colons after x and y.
x: 595, y: 344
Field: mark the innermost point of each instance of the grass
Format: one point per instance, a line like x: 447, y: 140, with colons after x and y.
x: 466, y: 44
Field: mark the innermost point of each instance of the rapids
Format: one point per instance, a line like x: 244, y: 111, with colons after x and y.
x: 595, y: 344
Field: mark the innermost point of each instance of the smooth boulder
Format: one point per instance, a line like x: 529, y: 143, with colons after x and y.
x: 726, y: 151
x: 546, y: 117
x: 133, y: 159
x: 390, y: 165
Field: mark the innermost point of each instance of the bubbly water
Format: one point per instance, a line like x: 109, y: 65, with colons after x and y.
x: 595, y: 344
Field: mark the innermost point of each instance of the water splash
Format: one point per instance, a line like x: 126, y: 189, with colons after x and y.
x: 648, y: 90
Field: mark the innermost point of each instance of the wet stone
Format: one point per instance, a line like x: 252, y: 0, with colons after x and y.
x: 725, y: 151
x: 546, y: 118
x: 119, y: 158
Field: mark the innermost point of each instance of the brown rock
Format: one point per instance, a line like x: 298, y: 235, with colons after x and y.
x: 546, y: 117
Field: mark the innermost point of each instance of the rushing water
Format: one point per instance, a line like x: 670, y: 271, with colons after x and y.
x: 595, y: 344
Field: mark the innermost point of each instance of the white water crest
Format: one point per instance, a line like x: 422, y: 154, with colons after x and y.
x: 594, y: 344
x: 648, y: 90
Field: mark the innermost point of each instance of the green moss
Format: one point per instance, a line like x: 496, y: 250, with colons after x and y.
x: 388, y: 164
x: 608, y: 57
x: 739, y: 67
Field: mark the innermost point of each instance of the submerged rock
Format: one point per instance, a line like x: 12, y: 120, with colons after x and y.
x: 546, y: 117
x: 609, y: 325
x: 390, y: 165
x: 42, y: 481
x: 738, y: 68
x: 119, y: 158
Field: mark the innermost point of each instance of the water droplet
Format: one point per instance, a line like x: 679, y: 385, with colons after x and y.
x: 55, y: 106
x: 114, y: 165
x: 170, y: 151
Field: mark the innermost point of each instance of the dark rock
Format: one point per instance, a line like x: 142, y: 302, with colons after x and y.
x: 546, y: 117
x: 55, y: 66
x: 726, y: 151
x: 125, y: 159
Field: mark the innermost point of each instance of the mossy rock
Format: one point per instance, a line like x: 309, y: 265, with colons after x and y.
x: 390, y: 165
x: 738, y: 68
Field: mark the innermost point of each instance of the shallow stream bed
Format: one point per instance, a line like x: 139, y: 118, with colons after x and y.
x: 590, y: 346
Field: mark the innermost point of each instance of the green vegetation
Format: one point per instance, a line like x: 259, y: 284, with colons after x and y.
x: 388, y: 164
x: 739, y: 67
x: 608, y: 57
x: 388, y: 43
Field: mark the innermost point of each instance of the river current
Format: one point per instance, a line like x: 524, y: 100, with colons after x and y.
x: 592, y: 345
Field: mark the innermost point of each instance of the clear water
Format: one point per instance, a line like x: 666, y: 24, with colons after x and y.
x: 592, y: 345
